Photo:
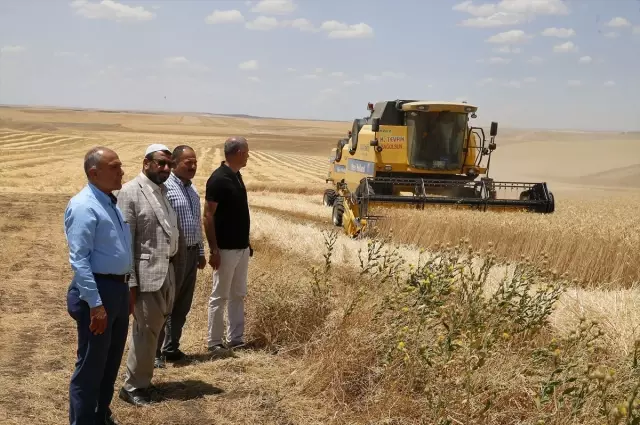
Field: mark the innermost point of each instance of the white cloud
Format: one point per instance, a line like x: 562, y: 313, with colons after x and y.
x: 301, y: 24
x: 530, y: 80
x: 254, y: 79
x: 559, y: 32
x: 534, y: 7
x: 262, y: 23
x: 513, y: 84
x: 224, y: 16
x: 472, y: 9
x: 60, y: 54
x: 618, y: 22
x: 585, y: 59
x: 181, y: 62
x: 496, y: 20
x: 111, y: 10
x: 337, y: 74
x: 574, y: 83
x: 291, y: 70
x: 391, y: 74
x: 309, y: 77
x: 274, y: 7
x: 535, y: 60
x: 176, y: 60
x: 565, y: 47
x: 609, y: 83
x: 12, y: 49
x: 636, y: 29
x: 337, y: 29
x: 351, y: 83
x: 485, y: 81
x: 385, y: 74
x: 508, y: 12
x: 495, y: 60
x: 509, y: 37
x: 611, y: 34
x: 507, y: 49
x: 249, y: 65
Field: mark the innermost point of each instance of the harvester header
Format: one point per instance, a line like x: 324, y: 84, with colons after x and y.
x: 420, y: 153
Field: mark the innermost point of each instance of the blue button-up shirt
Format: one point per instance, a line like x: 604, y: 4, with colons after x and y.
x: 186, y: 202
x: 99, y: 240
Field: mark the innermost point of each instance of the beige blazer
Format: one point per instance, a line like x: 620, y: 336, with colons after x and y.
x: 150, y: 234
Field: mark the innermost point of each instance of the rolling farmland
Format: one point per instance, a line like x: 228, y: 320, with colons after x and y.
x: 316, y: 362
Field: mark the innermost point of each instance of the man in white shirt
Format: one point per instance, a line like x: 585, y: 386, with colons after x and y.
x: 155, y: 237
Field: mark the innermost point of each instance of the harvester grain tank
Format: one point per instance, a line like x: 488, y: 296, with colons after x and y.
x: 420, y: 153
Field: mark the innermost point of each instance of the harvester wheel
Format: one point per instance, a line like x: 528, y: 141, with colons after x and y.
x: 329, y: 197
x: 552, y: 203
x: 338, y: 211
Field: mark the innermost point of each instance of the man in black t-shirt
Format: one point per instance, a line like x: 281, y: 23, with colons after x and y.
x: 227, y: 223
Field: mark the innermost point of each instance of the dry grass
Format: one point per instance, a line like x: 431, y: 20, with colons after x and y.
x: 596, y: 241
x: 325, y: 327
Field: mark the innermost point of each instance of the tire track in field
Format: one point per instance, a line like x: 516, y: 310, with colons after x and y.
x: 17, y: 144
x: 253, y: 171
x: 310, y: 166
x: 288, y: 161
x: 282, y: 171
x: 51, y: 142
x: 18, y: 138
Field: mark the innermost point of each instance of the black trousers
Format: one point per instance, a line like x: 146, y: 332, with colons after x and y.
x: 98, y: 356
x: 169, y: 338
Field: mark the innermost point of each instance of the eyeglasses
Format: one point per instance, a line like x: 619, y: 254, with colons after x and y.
x: 162, y: 163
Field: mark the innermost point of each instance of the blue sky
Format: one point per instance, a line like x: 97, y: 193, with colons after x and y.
x: 569, y: 64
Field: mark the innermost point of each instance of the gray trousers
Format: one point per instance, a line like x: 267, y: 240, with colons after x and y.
x: 169, y: 340
x: 149, y: 316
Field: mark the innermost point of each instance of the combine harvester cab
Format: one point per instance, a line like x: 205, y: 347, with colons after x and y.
x: 417, y: 154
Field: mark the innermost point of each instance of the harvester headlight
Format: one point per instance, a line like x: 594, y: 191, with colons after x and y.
x: 387, y: 168
x: 472, y: 172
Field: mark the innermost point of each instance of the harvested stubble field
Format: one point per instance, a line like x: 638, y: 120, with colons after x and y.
x: 339, y: 341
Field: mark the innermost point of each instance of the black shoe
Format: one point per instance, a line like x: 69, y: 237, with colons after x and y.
x: 159, y: 363
x: 135, y: 397
x: 174, y: 356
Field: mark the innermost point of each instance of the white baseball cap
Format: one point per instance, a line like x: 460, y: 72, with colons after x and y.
x: 156, y: 147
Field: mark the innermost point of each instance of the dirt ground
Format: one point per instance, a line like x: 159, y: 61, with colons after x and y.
x: 43, y: 152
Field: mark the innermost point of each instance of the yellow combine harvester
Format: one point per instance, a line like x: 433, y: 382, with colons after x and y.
x: 418, y: 153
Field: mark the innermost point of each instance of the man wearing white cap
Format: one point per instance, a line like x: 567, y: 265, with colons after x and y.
x: 155, y: 237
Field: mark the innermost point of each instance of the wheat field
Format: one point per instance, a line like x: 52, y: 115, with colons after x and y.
x: 317, y: 358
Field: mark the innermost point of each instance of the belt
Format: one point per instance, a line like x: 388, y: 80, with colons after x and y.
x: 121, y: 278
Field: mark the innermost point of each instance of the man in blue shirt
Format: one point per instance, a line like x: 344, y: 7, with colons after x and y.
x: 98, y: 297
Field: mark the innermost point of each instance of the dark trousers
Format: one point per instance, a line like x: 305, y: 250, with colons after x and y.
x: 98, y: 356
x: 169, y: 338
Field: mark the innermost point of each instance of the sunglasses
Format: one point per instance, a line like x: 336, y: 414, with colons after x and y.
x: 162, y: 163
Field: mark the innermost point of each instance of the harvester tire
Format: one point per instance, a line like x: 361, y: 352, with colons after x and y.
x: 338, y: 211
x: 329, y: 197
x: 552, y: 203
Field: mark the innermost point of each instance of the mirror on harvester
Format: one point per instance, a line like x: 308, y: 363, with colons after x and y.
x: 375, y: 124
x: 494, y: 129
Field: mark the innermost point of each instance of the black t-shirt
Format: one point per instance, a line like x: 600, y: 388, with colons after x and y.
x: 231, y: 219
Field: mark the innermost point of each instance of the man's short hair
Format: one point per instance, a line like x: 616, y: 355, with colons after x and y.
x: 93, y: 157
x: 233, y: 144
x: 177, y: 152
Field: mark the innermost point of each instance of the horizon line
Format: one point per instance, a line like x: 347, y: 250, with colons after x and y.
x: 243, y: 115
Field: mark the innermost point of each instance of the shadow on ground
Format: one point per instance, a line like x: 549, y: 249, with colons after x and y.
x: 185, y: 390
